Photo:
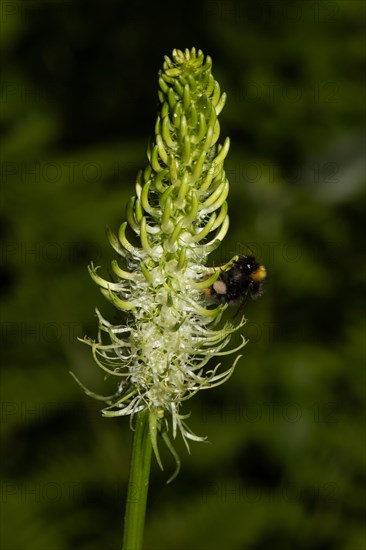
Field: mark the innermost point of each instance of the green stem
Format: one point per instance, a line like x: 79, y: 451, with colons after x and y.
x: 138, y: 484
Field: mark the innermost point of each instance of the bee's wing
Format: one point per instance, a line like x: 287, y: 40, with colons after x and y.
x: 243, y: 301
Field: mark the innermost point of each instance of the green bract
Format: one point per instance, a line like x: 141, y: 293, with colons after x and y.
x: 169, y: 332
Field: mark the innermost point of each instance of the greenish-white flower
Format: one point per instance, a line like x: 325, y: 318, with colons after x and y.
x: 161, y: 353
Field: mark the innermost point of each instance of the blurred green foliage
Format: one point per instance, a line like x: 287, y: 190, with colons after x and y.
x: 285, y: 468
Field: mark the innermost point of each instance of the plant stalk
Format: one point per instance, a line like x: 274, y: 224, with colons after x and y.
x: 138, y: 485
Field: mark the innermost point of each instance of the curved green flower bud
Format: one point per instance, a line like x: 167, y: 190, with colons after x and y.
x: 178, y: 215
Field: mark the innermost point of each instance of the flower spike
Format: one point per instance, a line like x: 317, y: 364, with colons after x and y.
x: 169, y: 331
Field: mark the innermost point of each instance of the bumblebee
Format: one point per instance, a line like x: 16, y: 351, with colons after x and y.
x: 243, y: 280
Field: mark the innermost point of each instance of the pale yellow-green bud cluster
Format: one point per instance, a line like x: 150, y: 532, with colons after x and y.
x: 168, y: 331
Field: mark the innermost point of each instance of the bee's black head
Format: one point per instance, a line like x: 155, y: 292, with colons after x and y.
x: 247, y: 264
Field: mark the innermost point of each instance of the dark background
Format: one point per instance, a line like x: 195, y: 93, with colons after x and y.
x: 285, y: 466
